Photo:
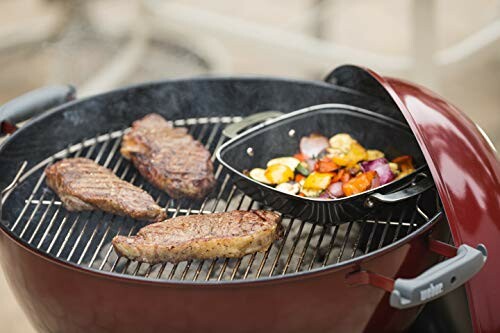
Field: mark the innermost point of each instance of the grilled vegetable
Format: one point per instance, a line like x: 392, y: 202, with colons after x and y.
x: 310, y: 193
x: 341, y: 142
x: 318, y: 181
x: 394, y: 168
x: 381, y: 166
x: 290, y: 187
x: 290, y: 162
x: 325, y: 165
x: 345, y: 177
x: 375, y: 182
x: 338, y: 175
x: 335, y: 190
x: 405, y: 163
x: 312, y: 145
x: 300, y: 157
x: 278, y: 173
x: 359, y: 184
x: 332, y: 168
x: 299, y: 177
x: 310, y: 164
x: 373, y: 154
x: 356, y: 154
x: 302, y: 169
x: 259, y: 175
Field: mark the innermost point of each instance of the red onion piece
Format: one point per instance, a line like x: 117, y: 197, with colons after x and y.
x: 375, y: 182
x: 310, y: 164
x: 325, y: 195
x: 313, y: 145
x: 335, y: 190
x: 381, y: 166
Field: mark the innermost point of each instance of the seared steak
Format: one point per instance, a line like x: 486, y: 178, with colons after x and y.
x: 230, y: 235
x: 169, y: 157
x: 83, y: 184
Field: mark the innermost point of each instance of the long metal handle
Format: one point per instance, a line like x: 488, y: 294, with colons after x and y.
x: 234, y: 129
x: 409, y: 192
x: 439, y: 279
x: 32, y: 103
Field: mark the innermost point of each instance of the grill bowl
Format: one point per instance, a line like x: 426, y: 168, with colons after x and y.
x: 60, y: 291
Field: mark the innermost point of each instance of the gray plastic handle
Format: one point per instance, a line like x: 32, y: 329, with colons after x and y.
x: 440, y: 279
x: 234, y: 129
x: 34, y: 102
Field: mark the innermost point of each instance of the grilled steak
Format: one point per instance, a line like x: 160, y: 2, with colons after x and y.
x: 230, y: 235
x: 83, y: 184
x: 169, y: 157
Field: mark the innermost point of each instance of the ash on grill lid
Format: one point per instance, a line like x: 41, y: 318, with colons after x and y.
x: 466, y: 171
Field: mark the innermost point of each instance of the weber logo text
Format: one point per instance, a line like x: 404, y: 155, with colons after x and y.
x: 432, y: 291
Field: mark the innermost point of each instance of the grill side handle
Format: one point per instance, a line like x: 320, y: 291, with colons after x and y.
x: 462, y: 264
x: 33, y: 103
x: 439, y: 279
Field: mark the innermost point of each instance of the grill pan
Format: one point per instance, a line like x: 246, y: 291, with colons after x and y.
x: 280, y: 137
x: 364, y: 275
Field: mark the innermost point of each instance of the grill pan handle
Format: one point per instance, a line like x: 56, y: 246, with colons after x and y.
x: 33, y: 103
x: 409, y: 192
x: 440, y: 279
x: 234, y: 129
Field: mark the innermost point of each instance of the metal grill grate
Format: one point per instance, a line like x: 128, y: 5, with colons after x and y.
x: 85, y: 238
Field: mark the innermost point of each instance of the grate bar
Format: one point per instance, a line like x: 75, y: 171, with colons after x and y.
x: 23, y: 211
x: 282, y: 245
x: 400, y: 224
x: 384, y: 232
x: 41, y: 221
x: 330, y: 246
x: 370, y: 239
x: 318, y: 244
x: 358, y: 239
x: 292, y: 250
x: 306, y: 246
x: 31, y: 217
x: 346, y: 239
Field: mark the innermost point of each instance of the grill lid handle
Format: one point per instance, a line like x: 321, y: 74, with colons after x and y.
x: 33, y: 103
x: 439, y: 279
x: 234, y: 129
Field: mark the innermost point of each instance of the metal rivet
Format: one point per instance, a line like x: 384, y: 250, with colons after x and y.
x: 369, y: 203
x: 250, y: 151
x: 291, y: 133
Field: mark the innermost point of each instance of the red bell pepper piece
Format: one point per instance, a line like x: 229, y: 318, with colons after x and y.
x: 325, y: 165
x: 300, y: 157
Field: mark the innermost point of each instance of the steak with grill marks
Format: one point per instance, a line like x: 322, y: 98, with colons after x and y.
x: 227, y: 235
x: 82, y: 184
x: 169, y: 157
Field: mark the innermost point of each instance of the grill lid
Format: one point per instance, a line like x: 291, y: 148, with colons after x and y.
x: 465, y: 168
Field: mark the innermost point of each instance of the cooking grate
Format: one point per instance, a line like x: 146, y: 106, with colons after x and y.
x: 85, y: 238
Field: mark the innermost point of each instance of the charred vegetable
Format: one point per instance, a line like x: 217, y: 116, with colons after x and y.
x: 278, y: 173
x: 318, y: 181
